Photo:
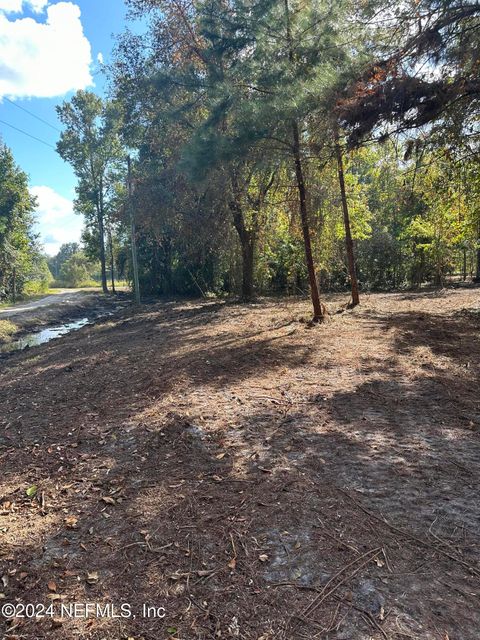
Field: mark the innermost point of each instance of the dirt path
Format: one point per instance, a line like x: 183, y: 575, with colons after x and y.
x: 62, y: 296
x: 257, y: 478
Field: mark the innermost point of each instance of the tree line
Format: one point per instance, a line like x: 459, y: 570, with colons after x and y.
x: 23, y: 266
x: 283, y: 146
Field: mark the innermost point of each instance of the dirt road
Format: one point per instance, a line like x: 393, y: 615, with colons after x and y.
x: 62, y: 296
x: 255, y: 477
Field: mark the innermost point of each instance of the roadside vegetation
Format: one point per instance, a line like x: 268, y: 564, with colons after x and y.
x: 23, y: 266
x: 7, y: 329
x: 255, y: 152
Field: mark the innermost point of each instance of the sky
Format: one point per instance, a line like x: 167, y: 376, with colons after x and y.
x: 48, y: 50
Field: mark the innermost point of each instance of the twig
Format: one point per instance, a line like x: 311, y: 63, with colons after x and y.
x: 384, y: 551
x: 410, y: 536
x: 369, y: 617
x: 341, y: 542
x: 326, y: 591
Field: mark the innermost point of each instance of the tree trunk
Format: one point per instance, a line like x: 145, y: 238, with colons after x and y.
x: 167, y: 266
x: 101, y: 233
x: 438, y: 281
x: 247, y: 268
x: 346, y: 222
x: 464, y: 264
x: 318, y: 309
x: 133, y: 234
x: 101, y: 239
x: 112, y: 262
x: 247, y: 243
x: 477, y: 271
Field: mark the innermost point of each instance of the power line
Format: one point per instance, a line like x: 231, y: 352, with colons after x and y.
x: 32, y: 114
x: 29, y: 135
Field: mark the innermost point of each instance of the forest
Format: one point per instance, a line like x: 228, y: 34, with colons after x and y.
x: 265, y: 423
x: 268, y: 148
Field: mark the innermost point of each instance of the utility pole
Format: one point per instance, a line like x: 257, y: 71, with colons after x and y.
x: 136, y: 283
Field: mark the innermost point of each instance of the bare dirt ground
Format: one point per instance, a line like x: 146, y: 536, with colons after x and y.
x: 257, y: 478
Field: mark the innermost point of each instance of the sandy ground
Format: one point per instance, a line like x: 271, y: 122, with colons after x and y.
x: 255, y: 477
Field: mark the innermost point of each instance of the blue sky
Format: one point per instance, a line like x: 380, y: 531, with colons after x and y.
x: 48, y: 50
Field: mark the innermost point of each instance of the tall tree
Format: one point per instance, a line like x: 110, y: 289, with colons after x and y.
x: 90, y: 143
x: 273, y: 60
x: 18, y: 250
x: 65, y: 252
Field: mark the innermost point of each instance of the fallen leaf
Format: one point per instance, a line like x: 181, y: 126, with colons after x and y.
x: 52, y: 586
x: 71, y: 522
x: 220, y: 456
x: 233, y: 563
x: 108, y: 500
x: 263, y: 557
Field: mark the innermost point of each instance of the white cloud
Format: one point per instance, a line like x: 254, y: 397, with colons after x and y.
x: 56, y: 221
x: 47, y: 59
x: 38, y: 5
x: 11, y: 6
x: 100, y: 58
x: 15, y: 6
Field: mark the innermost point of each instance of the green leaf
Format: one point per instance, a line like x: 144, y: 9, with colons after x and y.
x: 171, y: 630
x: 32, y: 491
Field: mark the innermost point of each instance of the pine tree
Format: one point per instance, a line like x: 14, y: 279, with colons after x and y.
x: 275, y: 60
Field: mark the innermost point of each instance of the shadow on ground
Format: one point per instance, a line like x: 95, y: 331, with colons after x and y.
x: 256, y: 478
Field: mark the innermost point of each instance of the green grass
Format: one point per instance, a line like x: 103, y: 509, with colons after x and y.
x: 7, y: 329
x: 26, y: 298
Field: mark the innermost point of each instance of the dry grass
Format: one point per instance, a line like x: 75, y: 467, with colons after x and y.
x: 7, y: 329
